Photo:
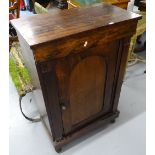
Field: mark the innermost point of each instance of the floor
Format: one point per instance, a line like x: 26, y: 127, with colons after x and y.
x: 125, y: 137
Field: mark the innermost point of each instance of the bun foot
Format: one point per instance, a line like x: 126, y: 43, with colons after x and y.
x: 58, y: 150
x: 113, y: 121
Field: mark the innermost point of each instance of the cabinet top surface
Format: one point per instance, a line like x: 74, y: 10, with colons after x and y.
x: 47, y: 27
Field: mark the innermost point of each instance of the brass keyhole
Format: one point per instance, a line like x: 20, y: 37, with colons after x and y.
x: 85, y: 44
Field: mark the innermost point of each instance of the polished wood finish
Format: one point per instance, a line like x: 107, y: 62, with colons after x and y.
x: 78, y: 71
x: 57, y: 25
x: 80, y: 3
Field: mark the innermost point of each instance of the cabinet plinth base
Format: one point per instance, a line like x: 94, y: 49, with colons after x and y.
x: 110, y: 118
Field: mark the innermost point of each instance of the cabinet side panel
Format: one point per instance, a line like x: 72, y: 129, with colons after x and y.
x: 29, y: 62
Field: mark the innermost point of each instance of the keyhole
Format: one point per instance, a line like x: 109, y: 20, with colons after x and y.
x: 85, y: 44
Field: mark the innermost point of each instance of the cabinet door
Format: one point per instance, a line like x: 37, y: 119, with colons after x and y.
x: 85, y: 85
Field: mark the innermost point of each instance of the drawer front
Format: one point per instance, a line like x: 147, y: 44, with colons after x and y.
x: 81, y: 42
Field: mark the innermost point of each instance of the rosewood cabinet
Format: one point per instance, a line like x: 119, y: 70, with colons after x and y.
x: 77, y: 60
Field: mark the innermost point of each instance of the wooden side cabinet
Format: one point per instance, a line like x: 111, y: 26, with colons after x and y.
x: 77, y: 61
